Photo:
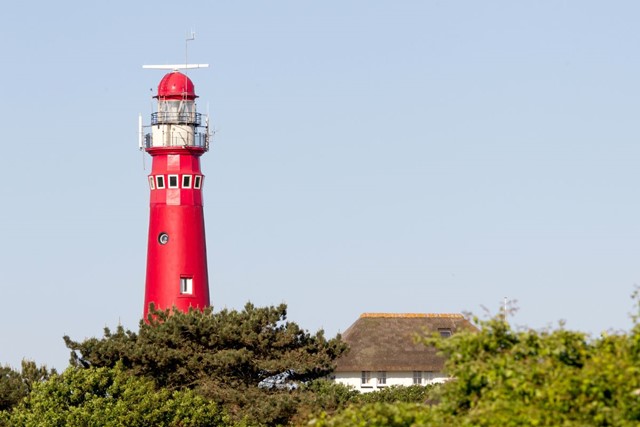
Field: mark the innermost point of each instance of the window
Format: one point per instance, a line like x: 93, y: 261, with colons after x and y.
x: 152, y: 183
x: 160, y: 181
x: 417, y: 377
x: 186, y: 181
x: 429, y: 376
x: 173, y: 181
x: 163, y: 238
x: 197, y: 182
x: 445, y: 332
x: 365, y: 380
x: 382, y: 378
x: 186, y: 285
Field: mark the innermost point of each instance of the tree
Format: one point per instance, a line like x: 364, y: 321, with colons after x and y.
x: 223, y: 356
x: 558, y: 377
x: 15, y: 386
x: 12, y: 389
x: 110, y: 397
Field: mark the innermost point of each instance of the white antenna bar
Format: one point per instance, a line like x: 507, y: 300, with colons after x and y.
x: 175, y: 66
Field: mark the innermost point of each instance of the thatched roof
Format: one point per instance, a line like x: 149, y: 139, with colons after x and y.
x: 385, y: 341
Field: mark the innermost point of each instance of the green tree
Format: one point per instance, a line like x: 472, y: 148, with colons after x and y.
x: 15, y: 386
x: 511, y: 378
x: 110, y: 397
x: 223, y: 356
x: 12, y: 388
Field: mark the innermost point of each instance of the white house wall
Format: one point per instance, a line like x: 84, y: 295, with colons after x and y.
x: 354, y: 379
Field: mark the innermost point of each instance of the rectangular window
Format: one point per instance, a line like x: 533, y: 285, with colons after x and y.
x: 197, y: 182
x: 152, y: 183
x: 445, y: 332
x: 173, y: 181
x: 417, y: 377
x: 365, y: 380
x: 186, y: 285
x: 186, y: 181
x: 382, y: 378
x: 160, y: 181
x: 429, y: 376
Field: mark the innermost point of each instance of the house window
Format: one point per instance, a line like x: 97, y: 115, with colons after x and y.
x: 429, y: 376
x: 382, y: 378
x: 186, y: 181
x: 160, y: 181
x: 186, y: 285
x: 417, y: 377
x: 152, y: 183
x: 197, y: 182
x: 445, y: 332
x: 365, y: 380
x: 173, y: 181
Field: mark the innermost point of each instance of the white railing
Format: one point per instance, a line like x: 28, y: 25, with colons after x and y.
x: 167, y: 117
x: 199, y: 139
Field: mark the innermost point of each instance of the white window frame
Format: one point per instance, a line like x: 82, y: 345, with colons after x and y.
x: 365, y: 379
x: 152, y: 182
x: 160, y: 182
x: 189, y: 178
x: 417, y: 377
x: 186, y: 285
x: 382, y: 379
x: 445, y: 332
x: 197, y: 182
x: 176, y: 177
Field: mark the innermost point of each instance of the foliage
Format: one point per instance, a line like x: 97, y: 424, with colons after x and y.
x: 391, y: 406
x: 15, y: 386
x: 179, y: 369
x: 399, y: 414
x: 222, y: 356
x: 508, y: 377
x: 113, y: 397
x: 392, y: 394
x: 12, y: 389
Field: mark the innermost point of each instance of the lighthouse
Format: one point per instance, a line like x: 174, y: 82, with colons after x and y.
x: 177, y: 276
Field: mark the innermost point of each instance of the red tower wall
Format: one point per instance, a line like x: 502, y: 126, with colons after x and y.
x: 178, y: 212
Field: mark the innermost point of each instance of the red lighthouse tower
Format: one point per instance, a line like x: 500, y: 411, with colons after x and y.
x: 176, y: 253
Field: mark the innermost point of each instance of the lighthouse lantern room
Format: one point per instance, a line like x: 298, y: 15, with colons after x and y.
x: 177, y: 276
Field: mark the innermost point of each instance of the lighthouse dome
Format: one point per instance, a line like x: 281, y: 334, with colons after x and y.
x: 176, y: 85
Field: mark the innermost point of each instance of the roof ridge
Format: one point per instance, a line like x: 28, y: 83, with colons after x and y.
x: 412, y: 315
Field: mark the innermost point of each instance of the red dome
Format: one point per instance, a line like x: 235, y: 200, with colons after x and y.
x: 176, y: 86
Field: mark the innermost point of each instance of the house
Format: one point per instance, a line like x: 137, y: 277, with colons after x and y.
x: 383, y: 351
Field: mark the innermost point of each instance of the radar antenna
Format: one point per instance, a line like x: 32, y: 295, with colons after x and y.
x: 186, y: 65
x: 175, y: 67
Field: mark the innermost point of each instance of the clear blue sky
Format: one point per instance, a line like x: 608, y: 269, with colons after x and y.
x: 408, y: 156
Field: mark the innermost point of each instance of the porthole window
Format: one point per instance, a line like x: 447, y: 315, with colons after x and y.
x: 197, y: 182
x: 160, y: 181
x: 186, y: 181
x: 152, y: 183
x: 173, y: 181
x: 163, y: 238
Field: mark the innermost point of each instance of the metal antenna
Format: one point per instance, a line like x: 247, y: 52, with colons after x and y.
x: 186, y: 47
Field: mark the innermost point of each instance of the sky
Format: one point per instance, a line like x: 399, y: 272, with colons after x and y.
x: 369, y: 156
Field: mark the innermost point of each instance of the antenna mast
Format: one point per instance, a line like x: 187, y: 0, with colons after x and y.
x: 186, y: 47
